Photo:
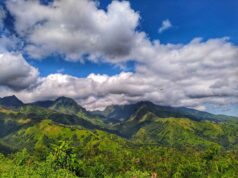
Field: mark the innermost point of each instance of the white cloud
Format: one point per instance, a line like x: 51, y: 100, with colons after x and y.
x: 179, y: 75
x: 166, y: 24
x: 200, y: 108
x: 76, y: 28
x: 15, y: 72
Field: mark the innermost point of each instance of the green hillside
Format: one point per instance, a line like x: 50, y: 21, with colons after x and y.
x: 183, y: 132
x: 68, y: 106
x: 61, y: 139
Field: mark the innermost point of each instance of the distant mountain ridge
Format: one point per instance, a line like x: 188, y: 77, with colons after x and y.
x: 124, y: 112
x: 116, y: 113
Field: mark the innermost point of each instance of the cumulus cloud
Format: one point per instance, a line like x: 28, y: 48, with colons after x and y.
x: 90, y: 91
x: 166, y: 24
x: 76, y: 28
x: 179, y: 75
x: 15, y: 72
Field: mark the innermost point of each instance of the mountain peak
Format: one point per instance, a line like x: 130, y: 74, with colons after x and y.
x: 11, y: 101
x: 62, y: 104
x: 66, y: 101
x: 66, y: 105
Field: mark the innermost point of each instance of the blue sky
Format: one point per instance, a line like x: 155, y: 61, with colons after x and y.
x: 54, y: 64
x: 206, y: 19
x: 115, y: 56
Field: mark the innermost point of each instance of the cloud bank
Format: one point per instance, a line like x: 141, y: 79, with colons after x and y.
x: 168, y: 74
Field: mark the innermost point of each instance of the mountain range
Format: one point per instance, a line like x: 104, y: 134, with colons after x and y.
x: 142, y: 133
x: 143, y: 122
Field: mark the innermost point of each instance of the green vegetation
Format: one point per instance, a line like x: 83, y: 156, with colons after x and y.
x: 61, y: 139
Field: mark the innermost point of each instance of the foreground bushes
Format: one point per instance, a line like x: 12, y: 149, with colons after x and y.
x: 68, y: 161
